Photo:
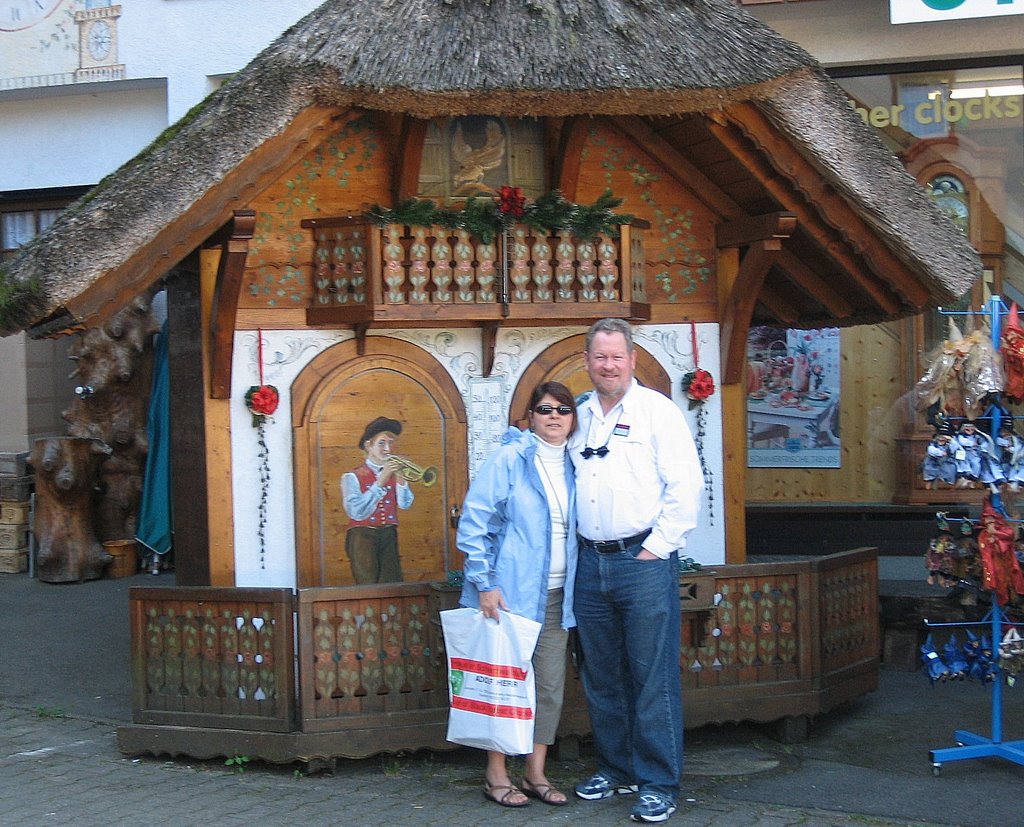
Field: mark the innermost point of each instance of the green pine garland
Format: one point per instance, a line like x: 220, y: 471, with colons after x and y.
x: 482, y: 218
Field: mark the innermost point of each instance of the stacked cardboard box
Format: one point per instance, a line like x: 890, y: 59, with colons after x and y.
x: 15, y: 491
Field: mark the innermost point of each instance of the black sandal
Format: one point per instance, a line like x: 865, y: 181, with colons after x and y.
x: 543, y: 793
x: 489, y: 793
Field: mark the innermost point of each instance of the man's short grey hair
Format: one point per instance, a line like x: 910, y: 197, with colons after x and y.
x: 610, y: 326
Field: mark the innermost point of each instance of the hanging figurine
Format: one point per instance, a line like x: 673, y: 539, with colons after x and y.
x: 1011, y: 654
x: 978, y: 654
x: 1012, y: 350
x: 1001, y: 572
x: 966, y: 562
x: 991, y: 473
x: 977, y: 459
x: 1011, y: 454
x: 954, y: 659
x: 939, y: 461
x: 967, y: 455
x: 962, y: 374
x: 934, y: 668
x: 939, y: 557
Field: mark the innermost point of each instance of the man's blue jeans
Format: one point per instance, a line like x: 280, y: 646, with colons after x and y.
x: 628, y: 612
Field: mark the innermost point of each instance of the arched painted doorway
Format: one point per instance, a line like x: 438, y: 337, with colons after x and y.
x: 563, y: 362
x: 333, y: 400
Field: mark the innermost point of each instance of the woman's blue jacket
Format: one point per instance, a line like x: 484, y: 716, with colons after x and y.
x: 505, y: 531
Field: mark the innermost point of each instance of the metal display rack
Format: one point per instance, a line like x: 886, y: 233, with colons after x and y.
x: 969, y: 744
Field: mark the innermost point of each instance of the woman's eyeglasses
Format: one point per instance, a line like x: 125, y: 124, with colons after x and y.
x: 561, y: 410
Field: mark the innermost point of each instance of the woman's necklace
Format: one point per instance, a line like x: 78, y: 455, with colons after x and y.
x: 562, y: 510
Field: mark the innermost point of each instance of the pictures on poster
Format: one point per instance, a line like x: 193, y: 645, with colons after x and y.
x: 793, y: 398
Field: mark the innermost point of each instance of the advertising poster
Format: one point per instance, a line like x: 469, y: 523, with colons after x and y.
x: 793, y: 398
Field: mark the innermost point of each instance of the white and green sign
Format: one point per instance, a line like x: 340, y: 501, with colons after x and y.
x: 930, y: 11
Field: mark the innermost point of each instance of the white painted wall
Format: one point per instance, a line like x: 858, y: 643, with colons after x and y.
x: 191, y: 41
x: 286, y: 353
x: 75, y: 135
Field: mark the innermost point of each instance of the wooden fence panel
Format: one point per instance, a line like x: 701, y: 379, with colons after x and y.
x: 371, y: 656
x: 216, y: 657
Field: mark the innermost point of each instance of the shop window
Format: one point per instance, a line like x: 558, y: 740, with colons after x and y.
x: 959, y: 132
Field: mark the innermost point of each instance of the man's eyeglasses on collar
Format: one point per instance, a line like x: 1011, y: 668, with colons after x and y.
x: 589, y: 452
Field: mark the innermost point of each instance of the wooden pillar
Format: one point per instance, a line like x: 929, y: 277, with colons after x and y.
x: 219, y: 498
x: 734, y: 431
x: 189, y: 484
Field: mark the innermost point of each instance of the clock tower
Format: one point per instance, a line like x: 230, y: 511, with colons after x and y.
x: 97, y: 44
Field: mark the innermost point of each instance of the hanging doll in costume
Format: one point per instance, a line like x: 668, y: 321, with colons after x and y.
x: 977, y: 459
x: 991, y: 473
x: 1011, y: 454
x: 962, y: 374
x: 1011, y: 654
x: 1011, y: 348
x: 966, y: 562
x: 1001, y: 573
x: 939, y: 558
x: 978, y: 654
x: 939, y: 458
x: 967, y: 455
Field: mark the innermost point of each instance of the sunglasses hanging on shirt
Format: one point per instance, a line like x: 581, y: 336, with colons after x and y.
x: 602, y: 452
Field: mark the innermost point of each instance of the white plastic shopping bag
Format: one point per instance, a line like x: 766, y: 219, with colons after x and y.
x: 490, y: 680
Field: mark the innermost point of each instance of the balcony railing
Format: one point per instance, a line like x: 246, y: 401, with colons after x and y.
x: 395, y: 275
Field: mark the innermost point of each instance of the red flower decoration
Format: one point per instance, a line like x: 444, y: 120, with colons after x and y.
x: 262, y: 401
x: 698, y: 385
x: 511, y: 202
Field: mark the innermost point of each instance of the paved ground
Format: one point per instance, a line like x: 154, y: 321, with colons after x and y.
x: 64, y: 687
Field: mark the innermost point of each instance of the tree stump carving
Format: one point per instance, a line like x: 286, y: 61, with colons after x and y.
x: 114, y: 369
x: 89, y: 483
x: 65, y: 469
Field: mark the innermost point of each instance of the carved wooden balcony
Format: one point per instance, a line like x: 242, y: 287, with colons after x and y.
x: 398, y: 276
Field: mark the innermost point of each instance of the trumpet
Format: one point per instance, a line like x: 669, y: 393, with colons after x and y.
x: 411, y: 472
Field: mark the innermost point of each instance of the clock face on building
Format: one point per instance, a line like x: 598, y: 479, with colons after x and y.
x: 100, y: 39
x: 21, y: 14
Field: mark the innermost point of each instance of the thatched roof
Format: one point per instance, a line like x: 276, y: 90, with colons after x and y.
x: 514, y: 58
x: 534, y: 57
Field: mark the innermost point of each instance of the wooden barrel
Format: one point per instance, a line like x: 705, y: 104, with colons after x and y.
x: 126, y: 558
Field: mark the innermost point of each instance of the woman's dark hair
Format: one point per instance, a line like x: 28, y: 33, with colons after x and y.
x: 559, y: 392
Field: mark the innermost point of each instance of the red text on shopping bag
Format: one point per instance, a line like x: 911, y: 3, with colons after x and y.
x: 496, y: 690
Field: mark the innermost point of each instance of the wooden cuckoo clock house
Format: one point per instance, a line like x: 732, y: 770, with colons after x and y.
x: 297, y: 220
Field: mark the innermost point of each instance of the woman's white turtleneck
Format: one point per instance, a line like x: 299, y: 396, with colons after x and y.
x: 550, y: 462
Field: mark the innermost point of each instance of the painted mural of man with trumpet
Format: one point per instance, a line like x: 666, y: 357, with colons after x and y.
x: 372, y: 495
